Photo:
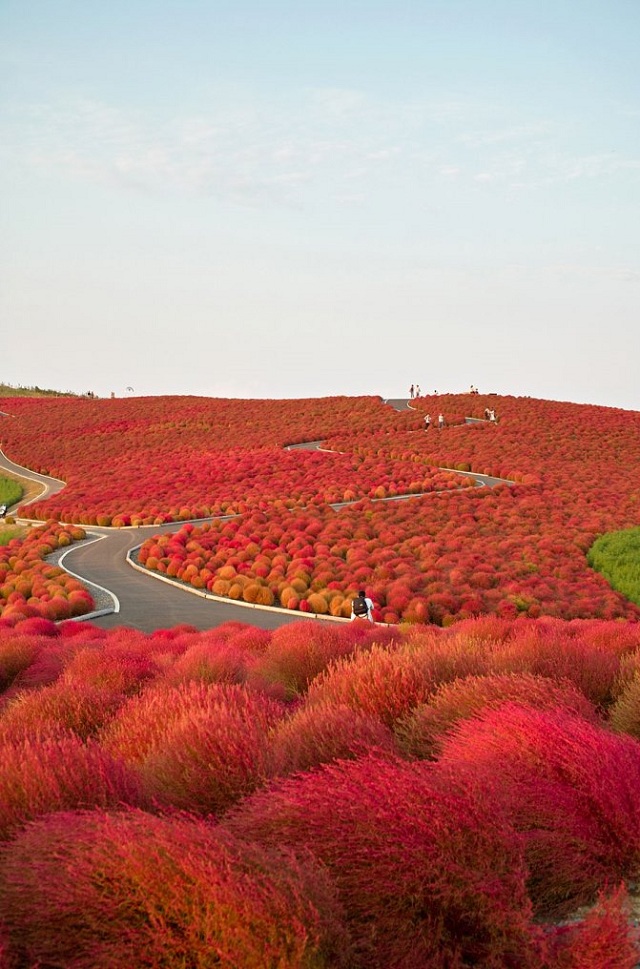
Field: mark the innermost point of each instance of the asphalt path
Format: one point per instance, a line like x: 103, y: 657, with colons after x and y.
x: 145, y: 600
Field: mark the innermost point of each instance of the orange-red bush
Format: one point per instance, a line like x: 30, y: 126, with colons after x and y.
x: 108, y: 891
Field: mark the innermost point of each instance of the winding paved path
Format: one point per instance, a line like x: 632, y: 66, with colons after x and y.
x: 144, y: 600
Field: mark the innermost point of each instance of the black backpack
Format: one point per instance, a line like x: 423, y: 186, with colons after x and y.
x: 360, y: 607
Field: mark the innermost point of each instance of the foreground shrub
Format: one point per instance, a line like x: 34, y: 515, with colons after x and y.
x: 298, y: 652
x: 553, y: 648
x: 59, y: 708
x: 427, y: 877
x: 16, y: 654
x: 420, y: 732
x: 106, y: 891
x: 210, y: 661
x: 55, y: 774
x: 568, y: 785
x: 624, y: 715
x: 605, y: 939
x: 319, y: 735
x: 386, y: 683
x: 215, y: 754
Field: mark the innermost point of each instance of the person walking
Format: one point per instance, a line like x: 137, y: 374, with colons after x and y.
x: 418, y: 392
x: 411, y: 391
x: 362, y: 607
x: 427, y: 421
x: 440, y: 421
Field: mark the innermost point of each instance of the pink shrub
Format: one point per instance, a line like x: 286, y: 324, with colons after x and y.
x: 16, y: 654
x: 70, y: 629
x: 108, y: 891
x: 296, y: 654
x: 319, y: 735
x: 209, y: 662
x: 605, y: 939
x: 215, y: 753
x: 426, y: 877
x: 58, y: 708
x: 420, y: 733
x: 387, y: 683
x: 549, y: 648
x: 113, y: 666
x: 37, y: 626
x: 38, y: 777
x: 568, y: 785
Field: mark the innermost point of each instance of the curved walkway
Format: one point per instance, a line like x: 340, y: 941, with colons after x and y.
x: 148, y: 601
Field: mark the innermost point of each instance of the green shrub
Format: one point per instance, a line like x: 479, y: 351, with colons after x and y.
x: 617, y: 557
x: 10, y: 491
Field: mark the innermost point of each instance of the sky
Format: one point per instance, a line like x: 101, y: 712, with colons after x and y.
x: 264, y: 199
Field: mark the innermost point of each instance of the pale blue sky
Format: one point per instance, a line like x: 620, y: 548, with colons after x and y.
x: 278, y: 200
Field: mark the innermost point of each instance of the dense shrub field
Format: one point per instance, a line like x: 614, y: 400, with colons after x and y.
x: 320, y: 796
x: 450, y: 552
x: 31, y: 587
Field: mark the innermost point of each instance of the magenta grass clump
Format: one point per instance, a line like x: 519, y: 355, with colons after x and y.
x: 427, y: 876
x: 109, y: 891
x: 422, y: 731
x: 569, y: 785
x: 56, y: 774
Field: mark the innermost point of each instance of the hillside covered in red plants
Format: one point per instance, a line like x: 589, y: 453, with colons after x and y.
x: 320, y: 796
x: 510, y: 550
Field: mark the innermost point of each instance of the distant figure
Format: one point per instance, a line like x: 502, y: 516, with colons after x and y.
x: 418, y: 392
x: 362, y: 607
x: 440, y: 421
x: 487, y: 413
x: 411, y: 391
x: 427, y: 421
x: 492, y: 416
x: 435, y: 393
x: 3, y: 511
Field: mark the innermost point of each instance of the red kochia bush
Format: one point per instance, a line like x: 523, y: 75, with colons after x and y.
x: 605, y: 939
x: 427, y: 877
x: 624, y: 715
x: 59, y: 708
x: 57, y: 774
x: 551, y: 647
x: 421, y: 732
x: 570, y: 786
x: 386, y: 683
x: 318, y: 735
x: 16, y: 654
x: 215, y: 754
x: 103, y: 891
x: 299, y: 651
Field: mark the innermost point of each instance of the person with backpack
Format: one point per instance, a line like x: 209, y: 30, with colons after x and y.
x: 362, y: 607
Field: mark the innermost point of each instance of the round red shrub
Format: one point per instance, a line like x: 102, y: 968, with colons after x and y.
x: 319, y: 735
x: 568, y: 785
x: 420, y: 733
x: 426, y: 877
x: 38, y: 777
x: 108, y: 891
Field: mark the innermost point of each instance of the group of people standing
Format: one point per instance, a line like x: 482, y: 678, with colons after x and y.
x: 428, y: 422
x: 414, y: 391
